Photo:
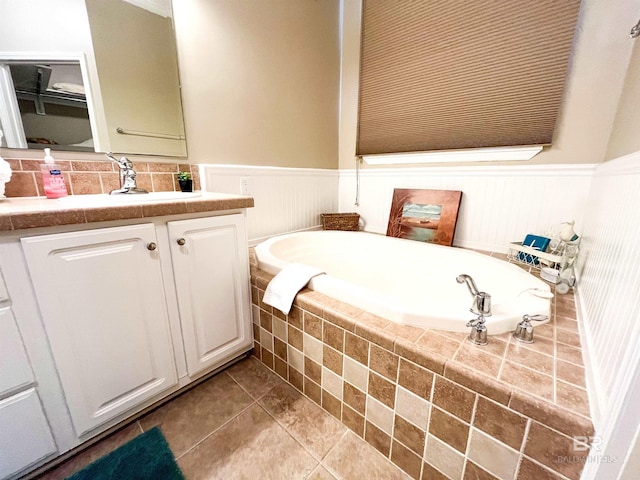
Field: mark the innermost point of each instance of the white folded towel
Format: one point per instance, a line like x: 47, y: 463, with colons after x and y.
x: 282, y: 289
x: 69, y: 88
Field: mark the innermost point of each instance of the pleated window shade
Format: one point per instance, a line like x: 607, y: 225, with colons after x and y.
x: 451, y: 74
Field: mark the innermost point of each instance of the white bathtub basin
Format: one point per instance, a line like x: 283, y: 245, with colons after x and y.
x: 409, y: 282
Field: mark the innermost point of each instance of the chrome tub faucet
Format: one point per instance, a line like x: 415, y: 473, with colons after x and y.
x: 481, y: 306
x: 127, y: 176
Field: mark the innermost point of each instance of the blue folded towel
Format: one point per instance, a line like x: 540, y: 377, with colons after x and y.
x: 537, y: 243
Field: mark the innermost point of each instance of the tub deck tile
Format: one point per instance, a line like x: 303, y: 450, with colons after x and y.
x: 572, y: 397
x: 407, y: 332
x: 440, y: 344
x: 425, y: 358
x: 474, y: 357
x: 552, y: 415
x: 477, y: 381
x: 371, y: 327
x: 529, y: 358
x: 311, y: 301
x: 340, y: 319
x: 528, y: 380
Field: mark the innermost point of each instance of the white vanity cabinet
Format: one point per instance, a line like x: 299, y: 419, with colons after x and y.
x: 100, y: 322
x: 25, y: 436
x: 102, y: 301
x: 133, y: 313
x: 210, y: 264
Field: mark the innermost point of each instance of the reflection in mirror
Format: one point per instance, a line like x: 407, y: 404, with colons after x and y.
x: 136, y: 58
x: 127, y: 67
x: 53, y: 105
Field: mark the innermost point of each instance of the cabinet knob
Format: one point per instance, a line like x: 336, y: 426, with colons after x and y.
x: 181, y: 241
x: 151, y: 246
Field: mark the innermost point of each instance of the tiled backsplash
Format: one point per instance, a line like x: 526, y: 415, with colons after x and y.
x: 90, y: 177
x: 428, y: 400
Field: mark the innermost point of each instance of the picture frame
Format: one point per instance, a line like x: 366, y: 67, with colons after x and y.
x: 424, y: 215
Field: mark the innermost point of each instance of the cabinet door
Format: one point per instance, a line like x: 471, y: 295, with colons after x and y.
x: 25, y: 437
x: 212, y: 282
x: 102, y: 301
x: 4, y: 296
x: 15, y: 371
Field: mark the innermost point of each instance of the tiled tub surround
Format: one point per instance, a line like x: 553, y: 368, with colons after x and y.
x: 90, y: 177
x: 434, y: 404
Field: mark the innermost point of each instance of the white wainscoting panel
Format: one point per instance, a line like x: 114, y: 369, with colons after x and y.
x: 499, y: 204
x: 286, y: 199
x: 609, y: 307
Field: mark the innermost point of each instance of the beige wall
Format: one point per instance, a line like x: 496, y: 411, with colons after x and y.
x: 625, y: 137
x: 260, y: 81
x: 594, y: 85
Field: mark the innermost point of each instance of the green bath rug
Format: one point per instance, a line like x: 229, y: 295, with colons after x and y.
x: 146, y: 457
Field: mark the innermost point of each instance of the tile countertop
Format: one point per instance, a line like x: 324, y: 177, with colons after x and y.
x: 35, y: 212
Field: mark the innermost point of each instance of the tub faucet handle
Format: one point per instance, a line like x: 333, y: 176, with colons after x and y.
x: 481, y: 300
x: 478, y: 335
x: 524, y: 330
x: 481, y: 304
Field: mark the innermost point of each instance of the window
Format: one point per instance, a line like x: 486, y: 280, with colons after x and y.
x: 450, y: 74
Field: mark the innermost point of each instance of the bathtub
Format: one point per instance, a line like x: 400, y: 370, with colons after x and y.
x: 409, y: 282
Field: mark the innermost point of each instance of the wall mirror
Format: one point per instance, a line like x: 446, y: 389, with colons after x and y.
x: 90, y: 75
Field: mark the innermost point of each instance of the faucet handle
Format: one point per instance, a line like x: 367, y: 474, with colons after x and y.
x: 481, y: 304
x: 478, y: 334
x: 524, y: 330
x: 123, y: 162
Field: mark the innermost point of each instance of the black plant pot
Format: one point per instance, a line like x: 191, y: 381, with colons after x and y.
x: 186, y: 185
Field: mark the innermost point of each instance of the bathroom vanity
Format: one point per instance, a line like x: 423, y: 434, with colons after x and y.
x: 107, y: 309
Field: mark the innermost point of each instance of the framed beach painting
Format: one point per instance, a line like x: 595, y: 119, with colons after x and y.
x: 424, y: 215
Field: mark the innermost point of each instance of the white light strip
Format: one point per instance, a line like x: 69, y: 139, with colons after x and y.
x: 493, y: 154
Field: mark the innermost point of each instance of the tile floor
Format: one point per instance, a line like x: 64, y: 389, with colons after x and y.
x: 246, y: 423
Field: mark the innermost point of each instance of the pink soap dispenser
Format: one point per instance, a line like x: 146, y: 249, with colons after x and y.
x: 54, y: 186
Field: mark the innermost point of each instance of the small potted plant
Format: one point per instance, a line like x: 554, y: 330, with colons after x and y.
x: 185, y: 181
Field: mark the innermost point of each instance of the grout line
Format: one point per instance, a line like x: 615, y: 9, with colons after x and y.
x: 327, y: 467
x: 286, y: 430
x: 216, y: 430
x: 471, y: 428
x: 319, y: 465
x: 554, y: 370
x: 541, y: 465
x: 503, y: 362
x: 522, y: 445
x: 253, y: 402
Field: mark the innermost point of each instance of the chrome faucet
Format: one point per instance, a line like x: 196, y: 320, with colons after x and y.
x: 481, y: 306
x: 127, y: 176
